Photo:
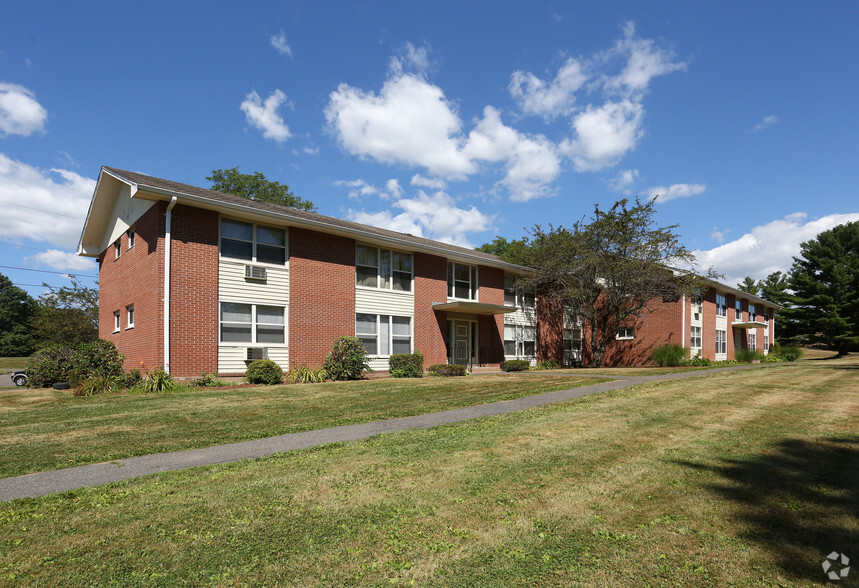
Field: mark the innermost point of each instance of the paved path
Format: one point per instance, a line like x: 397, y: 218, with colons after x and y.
x: 44, y: 483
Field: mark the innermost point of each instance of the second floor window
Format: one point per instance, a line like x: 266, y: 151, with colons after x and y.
x: 738, y: 310
x: 382, y: 268
x: 514, y: 296
x: 461, y: 281
x: 721, y: 305
x: 253, y: 242
x: 753, y: 315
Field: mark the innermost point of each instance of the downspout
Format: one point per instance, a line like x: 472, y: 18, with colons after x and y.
x: 167, y: 242
x: 683, y: 323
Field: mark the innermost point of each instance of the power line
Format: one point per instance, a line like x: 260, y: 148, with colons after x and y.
x: 24, y: 246
x: 41, y: 210
x: 25, y: 269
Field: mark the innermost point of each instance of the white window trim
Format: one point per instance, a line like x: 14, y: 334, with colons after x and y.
x: 253, y: 259
x: 721, y: 309
x: 724, y: 341
x: 117, y: 321
x: 692, y: 337
x: 391, y: 335
x: 253, y: 342
x: 390, y: 287
x: 129, y: 316
x: 132, y: 237
x: 117, y: 248
x: 519, y: 340
x: 473, y: 287
x: 618, y: 336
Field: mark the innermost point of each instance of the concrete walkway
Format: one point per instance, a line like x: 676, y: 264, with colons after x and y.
x: 44, y: 483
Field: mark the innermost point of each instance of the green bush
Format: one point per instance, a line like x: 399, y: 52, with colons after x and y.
x: 748, y: 355
x: 304, y: 375
x: 159, y: 381
x: 264, y: 371
x: 668, y: 355
x: 347, y: 360
x: 547, y: 364
x: 407, y: 365
x: 446, y: 370
x: 207, y: 381
x: 771, y: 358
x: 129, y: 379
x: 74, y: 363
x: 515, y: 365
x: 790, y: 353
x: 97, y: 384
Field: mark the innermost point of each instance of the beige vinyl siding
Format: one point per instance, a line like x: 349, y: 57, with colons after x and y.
x: 233, y: 286
x: 231, y: 358
x: 377, y: 301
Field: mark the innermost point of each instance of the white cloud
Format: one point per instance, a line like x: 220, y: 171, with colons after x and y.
x: 64, y: 261
x: 412, y: 59
x: 548, y: 99
x: 52, y: 204
x: 719, y: 236
x: 263, y: 115
x: 434, y: 216
x: 623, y: 181
x: 393, y: 188
x: 432, y: 183
x: 644, y: 61
x: 766, y: 123
x: 604, y: 134
x: 674, y: 191
x: 280, y: 44
x: 20, y: 113
x: 357, y: 188
x: 767, y: 248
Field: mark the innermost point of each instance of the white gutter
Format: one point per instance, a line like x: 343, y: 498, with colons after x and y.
x: 167, y: 241
x: 683, y: 321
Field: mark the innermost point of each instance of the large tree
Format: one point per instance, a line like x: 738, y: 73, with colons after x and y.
x: 750, y: 286
x: 511, y: 251
x: 256, y: 187
x: 67, y: 315
x: 608, y: 270
x: 825, y: 284
x: 17, y: 309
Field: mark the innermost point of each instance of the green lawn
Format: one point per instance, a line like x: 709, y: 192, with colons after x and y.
x: 12, y: 363
x: 746, y: 478
x: 47, y: 429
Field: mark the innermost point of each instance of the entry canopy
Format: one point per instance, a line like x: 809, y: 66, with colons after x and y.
x: 473, y: 307
x: 748, y: 325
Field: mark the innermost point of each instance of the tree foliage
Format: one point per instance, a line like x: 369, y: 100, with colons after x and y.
x: 608, y: 270
x: 750, y: 286
x: 255, y: 186
x: 510, y: 251
x: 17, y: 309
x: 824, y: 280
x: 67, y: 315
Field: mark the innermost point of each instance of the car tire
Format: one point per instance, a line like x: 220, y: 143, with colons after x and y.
x: 20, y: 380
x: 62, y: 386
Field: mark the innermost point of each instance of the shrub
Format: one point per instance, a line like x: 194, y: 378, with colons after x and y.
x: 97, y: 384
x: 347, y: 360
x: 264, y: 371
x: 207, y: 381
x: 74, y: 363
x: 158, y: 380
x: 515, y: 365
x: 407, y: 365
x: 547, y: 364
x: 790, y: 353
x: 446, y: 370
x: 129, y: 379
x: 668, y: 355
x: 747, y: 355
x: 699, y: 361
x: 771, y: 358
x: 49, y: 365
x: 304, y: 375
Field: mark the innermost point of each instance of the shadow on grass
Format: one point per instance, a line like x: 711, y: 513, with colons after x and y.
x: 799, y: 502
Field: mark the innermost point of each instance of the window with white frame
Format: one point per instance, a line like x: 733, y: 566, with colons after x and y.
x: 738, y: 310
x: 510, y: 340
x: 752, y: 340
x: 129, y: 316
x: 509, y: 290
x: 529, y: 341
x: 520, y: 340
x: 753, y: 315
x: 697, y: 307
x: 721, y: 305
x: 382, y: 268
x: 250, y: 242
x: 766, y: 342
x: 572, y: 344
x: 695, y: 339
x: 117, y: 249
x: 252, y: 323
x: 518, y: 296
x: 117, y: 321
x: 461, y: 281
x: 721, y: 341
x: 131, y: 238
x: 383, y: 335
x: 626, y: 333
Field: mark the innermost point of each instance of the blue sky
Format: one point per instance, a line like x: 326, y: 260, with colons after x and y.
x: 457, y: 121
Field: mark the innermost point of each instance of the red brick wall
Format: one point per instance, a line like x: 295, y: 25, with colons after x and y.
x: 708, y: 325
x: 550, y: 329
x: 490, y: 329
x: 430, y: 326
x: 136, y: 278
x: 193, y: 292
x: 321, y: 294
x: 660, y: 326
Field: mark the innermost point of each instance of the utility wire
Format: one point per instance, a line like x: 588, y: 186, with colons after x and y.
x: 24, y: 269
x: 41, y: 210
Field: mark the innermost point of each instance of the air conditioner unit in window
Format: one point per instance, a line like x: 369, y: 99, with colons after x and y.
x: 255, y: 272
x: 255, y: 353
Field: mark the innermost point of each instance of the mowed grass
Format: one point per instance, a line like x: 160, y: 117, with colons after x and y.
x: 48, y: 429
x: 9, y: 363
x: 742, y: 478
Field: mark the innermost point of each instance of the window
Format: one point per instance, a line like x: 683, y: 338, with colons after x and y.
x: 252, y: 323
x: 514, y: 296
x: 117, y: 249
x: 697, y: 307
x: 509, y: 291
x: 384, y: 335
x: 461, y: 281
x: 721, y: 305
x: 520, y: 341
x: 695, y: 340
x: 129, y: 316
x: 509, y: 339
x: 131, y: 238
x: 381, y: 268
x: 753, y: 316
x: 529, y: 299
x: 116, y: 321
x: 253, y: 242
x: 766, y: 342
x: 529, y: 342
x: 721, y: 341
x: 626, y: 333
x: 752, y: 342
x: 738, y: 310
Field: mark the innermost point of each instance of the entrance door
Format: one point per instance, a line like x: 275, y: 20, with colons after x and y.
x: 461, y: 343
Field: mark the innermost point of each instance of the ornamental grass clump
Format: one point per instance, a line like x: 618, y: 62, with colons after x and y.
x: 668, y: 355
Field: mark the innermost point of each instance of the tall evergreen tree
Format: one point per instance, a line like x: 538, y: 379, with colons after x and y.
x: 17, y: 309
x: 775, y: 289
x: 750, y: 286
x: 825, y: 285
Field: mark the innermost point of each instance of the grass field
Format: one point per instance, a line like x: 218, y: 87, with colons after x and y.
x: 743, y: 478
x: 47, y: 429
x: 10, y: 363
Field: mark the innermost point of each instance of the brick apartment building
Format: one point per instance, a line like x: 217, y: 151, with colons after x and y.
x: 201, y: 281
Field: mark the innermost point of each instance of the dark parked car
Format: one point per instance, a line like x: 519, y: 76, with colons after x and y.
x: 19, y: 377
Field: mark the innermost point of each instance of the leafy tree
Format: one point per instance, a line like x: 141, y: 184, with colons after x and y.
x: 511, y: 251
x: 608, y: 270
x: 825, y: 285
x: 67, y: 315
x: 17, y: 309
x: 750, y: 286
x: 256, y: 187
